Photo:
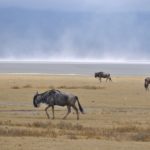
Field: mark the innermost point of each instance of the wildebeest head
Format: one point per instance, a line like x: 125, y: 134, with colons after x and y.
x: 36, y: 100
x: 97, y: 74
x: 146, y: 84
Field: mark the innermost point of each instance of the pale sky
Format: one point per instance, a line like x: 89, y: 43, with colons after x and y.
x: 80, y: 5
x: 74, y: 30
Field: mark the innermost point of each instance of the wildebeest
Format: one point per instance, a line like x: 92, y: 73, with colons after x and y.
x: 103, y: 75
x: 146, y: 83
x: 55, y: 97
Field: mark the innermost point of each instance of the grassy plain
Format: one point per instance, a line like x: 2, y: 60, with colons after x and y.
x: 116, y: 114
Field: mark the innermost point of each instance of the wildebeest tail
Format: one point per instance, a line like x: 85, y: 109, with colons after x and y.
x: 80, y: 107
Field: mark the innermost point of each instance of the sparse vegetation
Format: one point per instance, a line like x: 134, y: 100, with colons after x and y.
x: 27, y: 86
x: 63, y: 87
x: 15, y: 87
x: 116, y: 111
x: 77, y: 87
x: 74, y: 131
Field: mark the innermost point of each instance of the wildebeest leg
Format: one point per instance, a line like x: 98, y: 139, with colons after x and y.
x: 47, y: 112
x: 100, y: 79
x: 147, y: 86
x: 68, y: 112
x: 106, y: 79
x: 53, y: 112
x: 76, y: 109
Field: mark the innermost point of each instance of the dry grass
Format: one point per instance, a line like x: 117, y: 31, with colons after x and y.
x: 74, y: 131
x: 27, y: 86
x: 24, y: 86
x: 15, y: 87
x: 19, y: 132
x: 115, y: 111
x: 80, y: 87
x: 63, y: 87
